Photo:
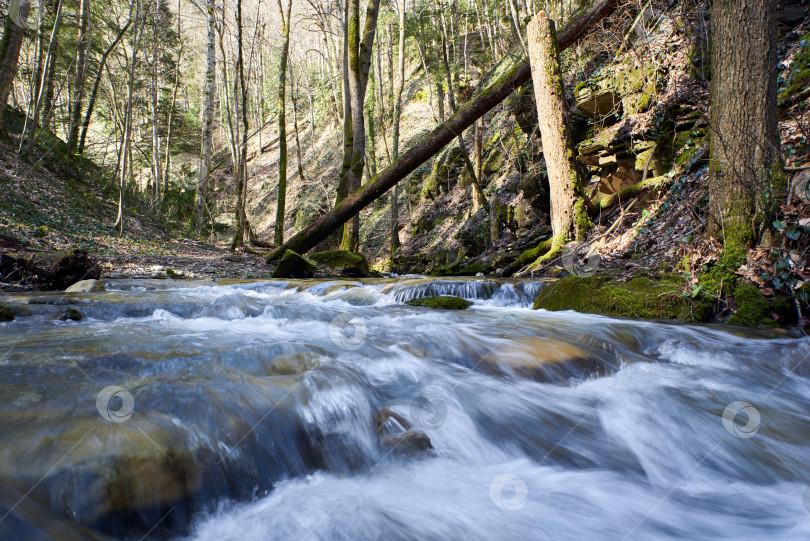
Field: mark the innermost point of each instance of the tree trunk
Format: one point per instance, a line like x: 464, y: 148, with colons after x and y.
x: 555, y: 130
x: 167, y: 168
x: 395, y: 138
x: 360, y: 52
x: 45, y: 87
x: 278, y: 238
x: 81, y: 73
x: 746, y: 176
x: 241, y: 181
x: 208, y: 118
x: 126, y: 143
x: 427, y: 147
x: 9, y: 58
x: 92, y: 102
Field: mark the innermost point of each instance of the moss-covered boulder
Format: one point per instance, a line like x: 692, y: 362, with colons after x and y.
x: 342, y: 263
x: 444, y: 302
x: 293, y: 265
x: 646, y: 297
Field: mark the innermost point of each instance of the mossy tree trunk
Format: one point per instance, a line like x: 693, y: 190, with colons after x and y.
x: 483, y: 102
x: 555, y: 129
x: 746, y: 176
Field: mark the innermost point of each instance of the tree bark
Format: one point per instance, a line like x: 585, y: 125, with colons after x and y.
x: 360, y: 51
x: 426, y: 148
x: 9, y: 58
x: 278, y: 238
x: 555, y: 129
x: 208, y: 117
x: 81, y: 73
x: 395, y: 137
x: 126, y: 142
x: 241, y: 175
x: 746, y: 178
x: 45, y: 87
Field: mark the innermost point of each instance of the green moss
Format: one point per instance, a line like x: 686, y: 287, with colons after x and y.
x: 292, y: 265
x: 718, y: 281
x: 582, y: 222
x: 441, y: 303
x: 752, y: 308
x: 343, y: 262
x: 657, y: 297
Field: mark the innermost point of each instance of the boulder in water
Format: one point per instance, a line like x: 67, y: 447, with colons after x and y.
x: 647, y: 297
x: 342, y: 263
x: 293, y: 265
x: 86, y: 286
x: 397, y: 436
x: 444, y: 302
x: 6, y: 313
x: 48, y: 270
x: 69, y: 314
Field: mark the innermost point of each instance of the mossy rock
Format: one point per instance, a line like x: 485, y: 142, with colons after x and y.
x: 752, y: 308
x: 718, y: 281
x: 6, y: 313
x: 343, y: 262
x: 441, y: 303
x: 69, y: 314
x: 655, y: 297
x: 293, y: 265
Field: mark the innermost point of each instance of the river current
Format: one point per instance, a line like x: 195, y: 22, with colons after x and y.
x: 331, y: 410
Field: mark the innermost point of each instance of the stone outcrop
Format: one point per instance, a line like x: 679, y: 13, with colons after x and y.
x: 48, y: 270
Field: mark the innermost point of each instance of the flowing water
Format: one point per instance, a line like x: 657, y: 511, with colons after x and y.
x: 332, y: 410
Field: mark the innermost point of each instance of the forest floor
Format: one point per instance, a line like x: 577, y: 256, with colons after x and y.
x: 49, y: 203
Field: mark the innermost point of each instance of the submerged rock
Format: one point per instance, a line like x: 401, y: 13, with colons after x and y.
x: 48, y: 270
x: 441, y: 302
x: 543, y: 359
x: 342, y: 262
x: 293, y: 265
x: 86, y: 286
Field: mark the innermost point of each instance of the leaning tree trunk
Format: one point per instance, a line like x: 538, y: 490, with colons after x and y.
x: 9, y: 57
x: 483, y: 102
x: 746, y: 177
x: 278, y: 238
x: 555, y: 129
